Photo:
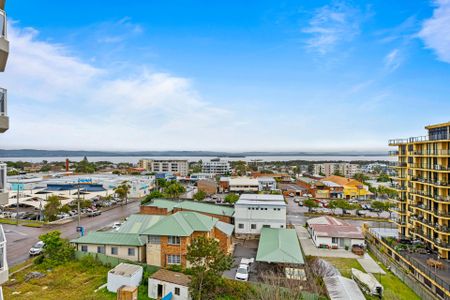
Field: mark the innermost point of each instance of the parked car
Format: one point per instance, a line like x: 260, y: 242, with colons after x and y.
x: 94, y: 213
x: 242, y: 273
x: 300, y: 203
x: 37, y: 248
x: 296, y: 200
x: 116, y: 225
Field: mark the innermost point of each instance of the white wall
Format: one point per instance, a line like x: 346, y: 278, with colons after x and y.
x: 116, y: 281
x: 167, y: 288
x: 264, y: 215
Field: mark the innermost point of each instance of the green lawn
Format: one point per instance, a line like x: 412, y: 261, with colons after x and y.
x: 394, y: 288
x: 71, y: 281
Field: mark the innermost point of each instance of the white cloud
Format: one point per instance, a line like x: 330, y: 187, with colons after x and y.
x: 435, y: 31
x: 392, y: 60
x: 332, y: 25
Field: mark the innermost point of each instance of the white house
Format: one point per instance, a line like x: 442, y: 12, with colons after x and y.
x: 267, y: 184
x: 256, y: 211
x: 165, y: 282
x: 333, y: 233
x: 124, y: 274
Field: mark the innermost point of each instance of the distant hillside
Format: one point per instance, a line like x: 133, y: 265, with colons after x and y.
x: 63, y: 153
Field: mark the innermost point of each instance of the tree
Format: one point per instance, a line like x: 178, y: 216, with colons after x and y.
x: 360, y: 177
x: 161, y: 183
x: 51, y: 208
x: 122, y: 191
x: 12, y: 173
x: 208, y: 262
x: 310, y: 204
x: 383, y: 178
x: 200, y: 195
x: 174, y: 190
x: 85, y: 166
x: 57, y: 251
x: 231, y: 198
x: 151, y: 196
x: 381, y: 206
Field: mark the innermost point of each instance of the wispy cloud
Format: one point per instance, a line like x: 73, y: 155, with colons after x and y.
x: 392, y: 60
x: 435, y: 31
x: 332, y: 25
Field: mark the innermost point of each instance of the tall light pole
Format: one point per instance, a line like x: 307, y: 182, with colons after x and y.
x: 78, y: 202
x: 17, y: 200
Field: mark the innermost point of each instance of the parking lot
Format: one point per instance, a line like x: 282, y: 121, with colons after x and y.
x: 244, y: 249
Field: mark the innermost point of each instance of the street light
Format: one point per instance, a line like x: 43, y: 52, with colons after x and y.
x: 17, y: 200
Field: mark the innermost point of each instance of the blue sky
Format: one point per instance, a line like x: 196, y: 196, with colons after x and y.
x: 234, y: 75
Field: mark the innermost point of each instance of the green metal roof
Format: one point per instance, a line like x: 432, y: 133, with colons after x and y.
x: 182, y: 223
x: 210, y: 208
x: 110, y: 238
x: 138, y: 223
x: 225, y: 227
x: 279, y: 245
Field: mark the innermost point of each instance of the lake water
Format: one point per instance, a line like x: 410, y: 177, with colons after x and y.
x: 135, y: 159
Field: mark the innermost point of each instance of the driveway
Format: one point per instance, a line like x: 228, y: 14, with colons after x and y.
x: 310, y: 249
x: 243, y: 249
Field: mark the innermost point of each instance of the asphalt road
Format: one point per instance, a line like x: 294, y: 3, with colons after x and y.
x: 20, y: 238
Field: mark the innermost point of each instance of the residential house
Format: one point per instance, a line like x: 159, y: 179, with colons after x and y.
x: 256, y: 211
x: 333, y: 233
x: 164, y: 283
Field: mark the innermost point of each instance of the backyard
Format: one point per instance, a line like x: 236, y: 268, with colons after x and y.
x: 394, y: 288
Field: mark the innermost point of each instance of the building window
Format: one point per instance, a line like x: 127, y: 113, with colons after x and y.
x: 174, y: 240
x: 266, y: 226
x: 253, y: 226
x: 101, y: 249
x: 131, y: 251
x: 177, y: 291
x: 173, y: 259
x: 241, y: 226
x: 154, y: 240
x: 83, y: 248
x: 114, y: 251
x: 334, y: 240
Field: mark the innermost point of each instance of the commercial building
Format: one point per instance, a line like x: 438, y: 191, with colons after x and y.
x: 194, y: 177
x: 423, y: 187
x: 178, y: 167
x: 332, y: 233
x: 352, y: 188
x: 256, y: 211
x: 345, y: 169
x: 267, y: 184
x: 243, y: 185
x: 216, y: 166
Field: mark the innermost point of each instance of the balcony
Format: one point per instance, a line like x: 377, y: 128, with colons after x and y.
x: 396, y: 142
x: 4, y: 43
x: 397, y: 187
x: 419, y: 139
x: 4, y: 272
x: 4, y: 120
x: 431, y: 153
x: 430, y: 167
x: 398, y: 165
x: 431, y: 181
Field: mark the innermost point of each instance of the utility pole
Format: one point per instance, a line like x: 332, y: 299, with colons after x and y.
x: 78, y: 202
x: 17, y: 200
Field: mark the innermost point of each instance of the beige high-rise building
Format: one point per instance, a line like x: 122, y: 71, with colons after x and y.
x: 175, y: 166
x: 423, y: 187
x: 345, y: 169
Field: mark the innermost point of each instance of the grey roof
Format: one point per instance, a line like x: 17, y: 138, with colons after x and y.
x: 225, y: 227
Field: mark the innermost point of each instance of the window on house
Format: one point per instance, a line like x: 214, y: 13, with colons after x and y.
x: 174, y: 240
x: 154, y: 239
x: 177, y: 291
x: 266, y: 226
x: 114, y: 251
x: 334, y: 240
x: 131, y: 251
x: 241, y: 226
x: 101, y: 249
x: 253, y: 226
x: 84, y: 248
x: 173, y: 259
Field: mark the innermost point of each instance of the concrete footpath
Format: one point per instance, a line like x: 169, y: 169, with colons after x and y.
x: 369, y: 265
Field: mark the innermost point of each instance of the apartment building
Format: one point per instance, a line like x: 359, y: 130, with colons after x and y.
x: 423, y: 187
x: 4, y: 126
x: 175, y: 166
x: 345, y: 169
x: 256, y: 211
x: 216, y: 166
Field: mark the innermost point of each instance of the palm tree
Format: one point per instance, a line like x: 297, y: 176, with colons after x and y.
x: 122, y: 191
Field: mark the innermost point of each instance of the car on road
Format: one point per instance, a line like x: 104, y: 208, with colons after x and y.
x: 300, y: 203
x: 116, y: 225
x: 94, y: 213
x: 296, y: 200
x: 37, y: 248
x: 242, y: 273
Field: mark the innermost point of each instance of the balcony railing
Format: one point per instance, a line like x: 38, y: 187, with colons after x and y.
x: 430, y: 167
x: 432, y: 152
x: 398, y: 165
x: 430, y: 181
x: 3, y: 102
x: 430, y: 195
x: 418, y: 139
x: 394, y: 142
x: 397, y: 187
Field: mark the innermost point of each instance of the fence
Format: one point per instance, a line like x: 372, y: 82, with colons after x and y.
x: 114, y: 261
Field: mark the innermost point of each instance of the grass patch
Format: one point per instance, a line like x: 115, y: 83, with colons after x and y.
x: 394, y: 288
x: 70, y: 281
x: 28, y: 223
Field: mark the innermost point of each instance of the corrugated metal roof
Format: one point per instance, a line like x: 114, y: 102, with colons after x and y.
x: 182, y: 223
x: 138, y: 223
x: 225, y: 227
x: 194, y: 205
x: 341, y: 288
x: 279, y: 245
x: 111, y: 238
